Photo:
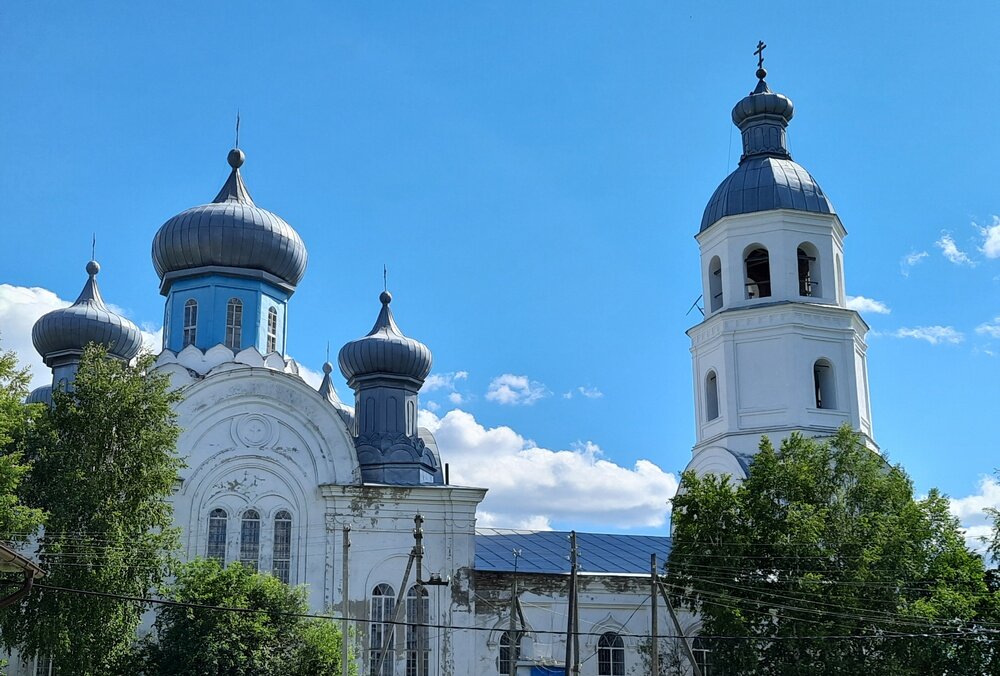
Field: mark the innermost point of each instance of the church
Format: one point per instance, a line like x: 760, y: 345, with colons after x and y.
x: 354, y: 500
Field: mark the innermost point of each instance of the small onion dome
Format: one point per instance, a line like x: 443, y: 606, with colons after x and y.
x: 230, y: 232
x: 40, y: 395
x: 67, y: 331
x: 385, y: 351
x: 767, y: 178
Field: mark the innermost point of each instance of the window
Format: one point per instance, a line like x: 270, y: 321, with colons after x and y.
x: 504, y: 661
x: 190, y: 322
x: 808, y: 259
x: 711, y: 396
x: 217, y: 535
x: 826, y: 393
x: 417, y: 643
x: 272, y: 330
x: 758, y: 273
x: 610, y: 655
x: 281, y: 555
x: 43, y: 666
x: 250, y: 539
x: 715, y: 284
x: 234, y: 323
x: 383, y: 606
x: 702, y: 655
x: 840, y: 281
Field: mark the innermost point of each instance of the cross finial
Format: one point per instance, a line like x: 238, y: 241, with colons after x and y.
x: 385, y: 278
x: 759, y: 52
x: 237, y: 128
x: 93, y: 246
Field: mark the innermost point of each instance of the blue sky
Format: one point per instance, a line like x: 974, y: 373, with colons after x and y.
x: 533, y: 175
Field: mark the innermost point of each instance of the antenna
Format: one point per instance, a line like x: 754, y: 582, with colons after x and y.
x: 695, y: 305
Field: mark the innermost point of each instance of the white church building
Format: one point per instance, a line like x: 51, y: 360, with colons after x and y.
x: 291, y: 481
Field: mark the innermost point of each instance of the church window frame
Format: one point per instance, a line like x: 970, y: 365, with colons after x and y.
x: 44, y: 666
x: 281, y: 546
x: 702, y: 652
x: 234, y: 323
x: 418, y: 606
x: 824, y: 385
x: 712, y: 410
x: 190, y: 325
x: 610, y: 654
x: 218, y: 524
x: 716, y: 295
x: 504, y: 658
x: 757, y: 270
x: 808, y: 269
x: 272, y: 330
x: 250, y: 540
x: 382, y: 609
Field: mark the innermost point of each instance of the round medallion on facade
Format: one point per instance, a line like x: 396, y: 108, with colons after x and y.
x: 254, y: 430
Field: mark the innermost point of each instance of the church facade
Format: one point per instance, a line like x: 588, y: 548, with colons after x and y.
x: 354, y: 501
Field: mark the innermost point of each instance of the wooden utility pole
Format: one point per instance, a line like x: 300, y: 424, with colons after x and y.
x: 654, y: 624
x: 695, y: 669
x: 345, y: 603
x: 515, y: 636
x: 570, y: 599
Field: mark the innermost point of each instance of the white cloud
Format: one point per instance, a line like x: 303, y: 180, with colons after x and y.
x: 513, y: 390
x: 991, y: 238
x: 869, y: 305
x: 456, y: 398
x: 588, y: 392
x: 444, y: 381
x: 935, y: 335
x: 533, y: 485
x: 431, y: 406
x: 970, y: 511
x: 952, y: 252
x: 991, y: 328
x: 909, y: 260
x: 313, y: 378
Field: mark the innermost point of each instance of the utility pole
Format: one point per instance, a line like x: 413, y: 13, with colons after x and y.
x: 515, y: 636
x: 654, y: 641
x: 419, y: 631
x: 345, y: 603
x: 695, y: 669
x: 573, y: 618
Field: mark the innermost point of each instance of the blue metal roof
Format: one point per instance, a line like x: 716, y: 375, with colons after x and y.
x: 548, y: 551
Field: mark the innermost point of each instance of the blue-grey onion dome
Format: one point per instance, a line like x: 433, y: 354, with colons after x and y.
x: 385, y: 351
x: 230, y: 232
x: 68, y: 330
x: 767, y: 177
x: 40, y: 395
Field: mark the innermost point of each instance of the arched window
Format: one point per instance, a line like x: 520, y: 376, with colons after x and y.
x: 217, y: 535
x: 234, y: 323
x: 610, y: 655
x: 250, y: 539
x: 504, y: 661
x: 190, y: 322
x: 840, y: 281
x: 382, y: 608
x: 711, y: 396
x: 715, y: 284
x: 758, y: 273
x: 417, y: 639
x: 272, y: 330
x: 281, y: 553
x: 808, y: 259
x: 826, y: 392
x: 43, y: 666
x: 702, y: 655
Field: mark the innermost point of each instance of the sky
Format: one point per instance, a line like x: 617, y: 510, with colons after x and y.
x: 532, y: 175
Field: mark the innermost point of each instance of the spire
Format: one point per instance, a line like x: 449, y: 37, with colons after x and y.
x: 385, y: 323
x: 91, y: 294
x: 326, y: 389
x: 762, y: 117
x: 235, y: 190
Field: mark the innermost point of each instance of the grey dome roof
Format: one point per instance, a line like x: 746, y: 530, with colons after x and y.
x: 385, y: 351
x: 230, y: 232
x: 40, y: 395
x: 767, y: 178
x: 68, y: 330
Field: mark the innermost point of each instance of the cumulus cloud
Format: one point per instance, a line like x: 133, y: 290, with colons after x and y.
x: 991, y: 328
x: 951, y: 251
x: 909, y: 260
x: 533, y: 487
x: 935, y: 335
x: 869, y: 305
x: 971, y: 511
x: 991, y: 238
x: 444, y: 381
x: 584, y: 391
x: 512, y: 390
x: 313, y: 378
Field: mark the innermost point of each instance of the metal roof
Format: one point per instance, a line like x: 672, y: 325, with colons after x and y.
x: 385, y: 351
x: 548, y: 551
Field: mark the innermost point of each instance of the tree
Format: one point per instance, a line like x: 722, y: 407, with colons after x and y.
x: 822, y: 561
x: 271, y: 635
x: 17, y: 520
x: 103, y: 467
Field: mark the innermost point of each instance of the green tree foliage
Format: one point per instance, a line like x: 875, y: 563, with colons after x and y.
x: 826, y: 540
x: 272, y: 635
x: 103, y: 467
x: 17, y: 521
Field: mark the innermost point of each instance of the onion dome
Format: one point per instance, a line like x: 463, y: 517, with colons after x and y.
x: 385, y: 351
x: 65, y: 332
x: 40, y: 395
x: 231, y: 232
x: 326, y: 389
x: 767, y: 178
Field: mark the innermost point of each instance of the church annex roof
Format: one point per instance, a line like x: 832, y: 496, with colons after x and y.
x: 548, y: 551
x: 230, y: 232
x: 766, y: 178
x: 67, y: 331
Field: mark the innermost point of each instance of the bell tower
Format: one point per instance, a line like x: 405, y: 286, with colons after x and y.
x: 778, y: 350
